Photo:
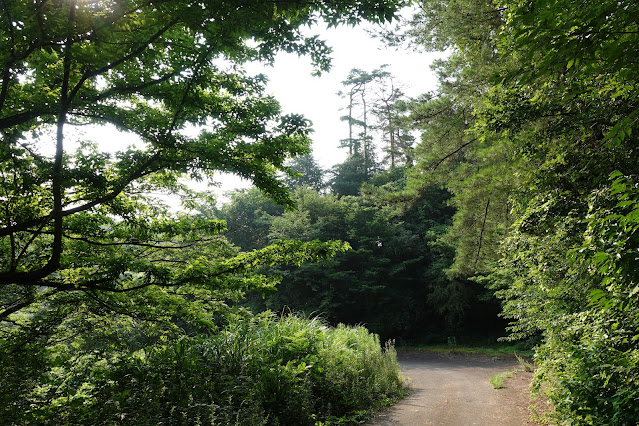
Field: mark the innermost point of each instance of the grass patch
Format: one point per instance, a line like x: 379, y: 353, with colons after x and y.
x: 497, y: 350
x: 498, y: 379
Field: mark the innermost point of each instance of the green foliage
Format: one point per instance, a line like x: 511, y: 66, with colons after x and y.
x: 603, y: 354
x: 580, y: 303
x: 247, y: 218
x: 536, y: 110
x: 583, y: 304
x: 392, y: 280
x: 260, y: 370
x: 105, y: 295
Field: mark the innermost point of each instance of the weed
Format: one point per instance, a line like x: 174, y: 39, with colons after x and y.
x: 497, y: 381
x: 524, y: 363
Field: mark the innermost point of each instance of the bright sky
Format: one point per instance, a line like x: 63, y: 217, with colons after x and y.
x: 292, y: 84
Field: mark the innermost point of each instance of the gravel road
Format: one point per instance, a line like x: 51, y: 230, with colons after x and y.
x: 453, y: 390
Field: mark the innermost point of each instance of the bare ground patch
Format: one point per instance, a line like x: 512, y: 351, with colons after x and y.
x: 454, y: 389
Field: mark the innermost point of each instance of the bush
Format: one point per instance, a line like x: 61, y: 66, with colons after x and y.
x: 258, y: 370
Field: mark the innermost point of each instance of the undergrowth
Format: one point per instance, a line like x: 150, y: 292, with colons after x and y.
x: 260, y: 370
x: 495, y: 350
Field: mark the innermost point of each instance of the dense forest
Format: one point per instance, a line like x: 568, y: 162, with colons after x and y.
x: 503, y: 204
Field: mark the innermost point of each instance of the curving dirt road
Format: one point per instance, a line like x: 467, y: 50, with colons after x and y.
x: 453, y: 390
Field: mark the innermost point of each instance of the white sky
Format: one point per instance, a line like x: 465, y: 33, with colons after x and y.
x: 292, y: 84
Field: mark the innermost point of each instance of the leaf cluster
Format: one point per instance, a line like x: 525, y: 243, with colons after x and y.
x: 536, y: 110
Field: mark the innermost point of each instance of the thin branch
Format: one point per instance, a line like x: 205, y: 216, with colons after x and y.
x: 115, y: 122
x: 26, y: 246
x: 112, y: 308
x: 137, y: 243
x: 196, y: 73
x: 481, y: 233
x: 89, y: 74
x: 123, y: 290
x: 452, y: 153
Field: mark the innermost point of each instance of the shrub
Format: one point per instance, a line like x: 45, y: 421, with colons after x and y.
x: 260, y: 370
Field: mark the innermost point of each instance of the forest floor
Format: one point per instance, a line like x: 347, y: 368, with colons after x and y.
x: 454, y: 390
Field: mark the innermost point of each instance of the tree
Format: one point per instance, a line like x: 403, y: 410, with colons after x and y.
x: 85, y: 252
x: 572, y: 110
x: 349, y: 176
x: 389, y: 108
x: 308, y: 173
x: 152, y: 70
x: 360, y: 86
x: 539, y: 102
x: 479, y: 169
x: 374, y: 104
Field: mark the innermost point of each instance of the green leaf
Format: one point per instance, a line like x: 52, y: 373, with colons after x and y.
x: 599, y: 257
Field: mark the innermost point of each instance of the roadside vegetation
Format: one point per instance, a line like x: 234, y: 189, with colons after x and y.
x: 502, y: 204
x: 258, y: 370
x: 493, y: 349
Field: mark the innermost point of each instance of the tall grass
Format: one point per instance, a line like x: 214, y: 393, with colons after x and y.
x: 261, y: 370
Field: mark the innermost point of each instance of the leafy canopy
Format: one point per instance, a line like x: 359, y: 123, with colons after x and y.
x: 534, y: 133
x: 169, y: 73
x: 94, y: 271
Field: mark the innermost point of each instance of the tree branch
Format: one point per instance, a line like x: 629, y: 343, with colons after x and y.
x: 452, y: 153
x: 21, y: 305
x: 143, y: 170
x: 56, y: 178
x: 144, y: 45
x: 13, y: 309
x: 23, y: 117
x: 134, y: 88
x: 481, y: 233
x: 6, y: 74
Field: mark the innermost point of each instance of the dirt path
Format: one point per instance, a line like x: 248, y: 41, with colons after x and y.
x: 453, y: 390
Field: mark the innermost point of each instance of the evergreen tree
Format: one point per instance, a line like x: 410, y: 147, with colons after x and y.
x: 306, y: 173
x: 533, y: 131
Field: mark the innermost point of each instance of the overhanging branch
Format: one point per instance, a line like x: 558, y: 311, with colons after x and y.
x: 441, y: 160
